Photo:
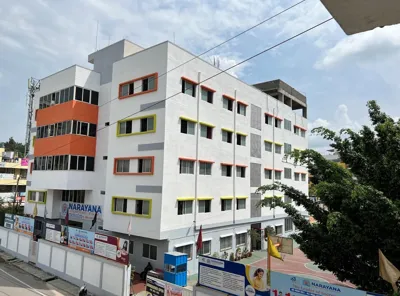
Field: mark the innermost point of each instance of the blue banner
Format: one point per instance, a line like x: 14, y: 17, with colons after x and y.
x: 232, y: 277
x: 81, y: 240
x: 289, y: 285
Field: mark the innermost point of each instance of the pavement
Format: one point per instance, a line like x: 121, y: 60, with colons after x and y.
x: 21, y: 278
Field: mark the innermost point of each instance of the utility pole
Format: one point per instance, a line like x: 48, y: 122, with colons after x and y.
x: 15, y: 195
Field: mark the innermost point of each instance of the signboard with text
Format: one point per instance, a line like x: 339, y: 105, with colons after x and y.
x: 111, y: 247
x: 289, y: 285
x: 81, y: 240
x: 78, y: 211
x: 154, y: 288
x: 9, y: 220
x: 232, y: 278
x: 24, y: 224
x: 57, y: 233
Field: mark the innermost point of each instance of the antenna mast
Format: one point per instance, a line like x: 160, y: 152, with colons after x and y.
x: 33, y: 87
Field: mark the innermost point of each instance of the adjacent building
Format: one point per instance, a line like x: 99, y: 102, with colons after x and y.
x: 164, y: 146
x: 13, y: 172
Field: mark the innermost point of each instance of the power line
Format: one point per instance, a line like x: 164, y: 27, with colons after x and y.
x: 213, y: 76
x: 218, y: 45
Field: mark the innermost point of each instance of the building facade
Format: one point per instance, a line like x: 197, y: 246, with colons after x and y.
x: 166, y: 147
x: 13, y: 173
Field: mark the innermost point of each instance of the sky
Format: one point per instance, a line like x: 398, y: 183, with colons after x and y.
x: 337, y: 73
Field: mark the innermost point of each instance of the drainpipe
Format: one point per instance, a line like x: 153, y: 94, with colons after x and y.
x: 234, y: 161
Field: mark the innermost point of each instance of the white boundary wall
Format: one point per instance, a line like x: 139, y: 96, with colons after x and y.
x: 101, y: 276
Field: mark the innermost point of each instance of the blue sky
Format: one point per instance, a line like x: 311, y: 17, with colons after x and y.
x: 338, y: 73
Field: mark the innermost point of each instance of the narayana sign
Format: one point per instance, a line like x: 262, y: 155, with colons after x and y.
x: 78, y: 211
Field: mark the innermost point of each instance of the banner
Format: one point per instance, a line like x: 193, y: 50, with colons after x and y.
x: 111, y: 247
x: 9, y: 221
x: 57, y: 233
x: 78, y: 211
x: 81, y: 240
x: 289, y: 285
x: 24, y: 224
x: 24, y: 161
x: 232, y: 278
x: 154, y: 288
x: 173, y: 290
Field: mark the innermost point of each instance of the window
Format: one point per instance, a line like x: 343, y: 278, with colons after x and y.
x: 268, y: 174
x: 287, y: 148
x: 226, y: 136
x: 241, y: 239
x: 92, y: 130
x: 81, y: 163
x: 241, y: 172
x: 227, y: 104
x: 125, y: 127
x: 278, y: 148
x: 90, y: 164
x: 187, y: 127
x: 278, y: 229
x: 205, y: 206
x: 84, y: 128
x: 86, y: 95
x: 205, y: 248
x: 241, y: 108
x: 296, y: 176
x: 268, y: 119
x: 123, y: 165
x: 226, y: 205
x: 78, y: 94
x: 206, y: 131
x: 207, y: 95
x: 303, y: 133
x: 142, y: 207
x: 225, y: 243
x: 77, y: 196
x: 149, y: 252
x: 185, y: 207
x: 74, y: 162
x: 205, y: 168
x: 278, y: 123
x: 240, y: 140
x: 120, y: 205
x: 95, y: 98
x: 185, y: 249
x: 287, y: 199
x: 268, y: 146
x: 287, y: 125
x: 149, y: 83
x: 226, y: 170
x: 186, y: 167
x: 131, y: 247
x: 296, y: 130
x: 278, y: 175
x: 37, y: 196
x: 303, y: 177
x: 240, y: 204
x: 145, y: 165
x: 188, y: 88
x: 147, y: 124
x: 288, y: 224
x: 288, y: 173
x: 41, y: 196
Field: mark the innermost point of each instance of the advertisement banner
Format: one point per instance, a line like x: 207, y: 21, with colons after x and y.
x: 24, y: 162
x: 78, y: 211
x: 81, y: 240
x: 154, y: 288
x: 173, y: 290
x: 9, y: 221
x: 232, y: 277
x: 57, y: 233
x: 24, y: 224
x: 111, y: 247
x: 289, y: 285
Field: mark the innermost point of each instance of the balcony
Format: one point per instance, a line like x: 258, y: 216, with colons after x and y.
x: 63, y: 180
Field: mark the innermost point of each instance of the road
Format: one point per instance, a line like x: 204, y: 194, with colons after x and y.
x: 15, y: 282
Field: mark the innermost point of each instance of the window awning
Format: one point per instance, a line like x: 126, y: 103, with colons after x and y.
x: 241, y: 231
x: 183, y: 244
x: 187, y: 198
x: 226, y: 235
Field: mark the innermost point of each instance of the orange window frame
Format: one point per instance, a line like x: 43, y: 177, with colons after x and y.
x: 134, y: 174
x: 133, y: 81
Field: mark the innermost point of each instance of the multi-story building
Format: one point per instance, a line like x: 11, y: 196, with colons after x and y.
x: 162, y: 145
x: 13, y: 172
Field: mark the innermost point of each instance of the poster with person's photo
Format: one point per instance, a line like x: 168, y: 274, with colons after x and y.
x: 111, y: 247
x: 24, y: 225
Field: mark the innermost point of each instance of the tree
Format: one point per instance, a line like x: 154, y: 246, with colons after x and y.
x: 358, y: 212
x: 13, y: 146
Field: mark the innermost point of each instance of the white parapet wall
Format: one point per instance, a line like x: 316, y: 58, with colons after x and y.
x: 15, y: 243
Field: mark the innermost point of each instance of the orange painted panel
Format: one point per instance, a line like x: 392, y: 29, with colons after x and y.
x: 66, y: 144
x: 72, y: 110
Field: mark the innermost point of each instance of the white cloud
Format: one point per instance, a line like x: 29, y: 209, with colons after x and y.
x: 341, y: 119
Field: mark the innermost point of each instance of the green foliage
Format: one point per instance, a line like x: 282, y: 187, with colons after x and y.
x: 358, y: 212
x: 13, y: 146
